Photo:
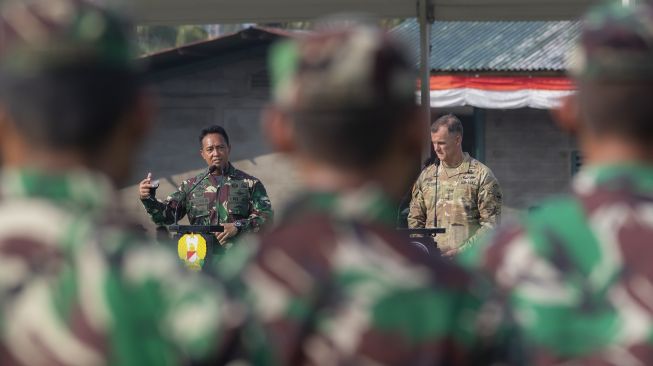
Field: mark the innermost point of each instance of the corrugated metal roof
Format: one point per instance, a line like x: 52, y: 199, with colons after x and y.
x: 495, y: 46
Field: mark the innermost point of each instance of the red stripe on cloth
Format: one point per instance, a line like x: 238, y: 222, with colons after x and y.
x: 500, y: 83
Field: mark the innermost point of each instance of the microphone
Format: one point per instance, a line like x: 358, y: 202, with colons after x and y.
x: 155, y: 185
x: 211, y: 170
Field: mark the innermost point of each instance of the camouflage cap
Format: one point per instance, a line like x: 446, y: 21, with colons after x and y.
x: 352, y: 67
x: 42, y: 34
x: 616, y: 43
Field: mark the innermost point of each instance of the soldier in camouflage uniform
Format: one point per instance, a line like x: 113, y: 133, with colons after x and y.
x: 77, y: 285
x: 457, y: 192
x: 334, y: 282
x: 578, y: 270
x: 227, y: 197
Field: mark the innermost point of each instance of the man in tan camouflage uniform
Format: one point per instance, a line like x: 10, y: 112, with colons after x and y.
x: 334, y: 283
x: 578, y: 270
x: 77, y: 285
x: 458, y: 192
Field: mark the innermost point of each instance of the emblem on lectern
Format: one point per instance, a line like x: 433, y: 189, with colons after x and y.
x: 192, y: 250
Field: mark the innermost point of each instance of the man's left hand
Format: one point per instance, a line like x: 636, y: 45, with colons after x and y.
x: 230, y: 230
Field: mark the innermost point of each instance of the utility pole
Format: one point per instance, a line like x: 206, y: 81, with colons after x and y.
x: 425, y: 16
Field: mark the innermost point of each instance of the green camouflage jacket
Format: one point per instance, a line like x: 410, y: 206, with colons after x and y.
x: 578, y: 270
x: 239, y: 197
x: 466, y: 200
x: 79, y: 287
x: 335, y: 283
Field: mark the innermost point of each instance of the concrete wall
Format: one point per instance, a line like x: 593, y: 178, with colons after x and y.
x: 191, y: 100
x: 528, y: 154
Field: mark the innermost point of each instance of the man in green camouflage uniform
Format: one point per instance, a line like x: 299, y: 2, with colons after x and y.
x: 334, y: 282
x: 227, y: 197
x: 77, y: 285
x: 457, y: 193
x: 578, y: 269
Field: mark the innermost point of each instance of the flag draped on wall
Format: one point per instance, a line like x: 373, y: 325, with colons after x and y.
x: 498, y: 92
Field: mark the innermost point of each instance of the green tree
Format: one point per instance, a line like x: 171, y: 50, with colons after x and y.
x: 155, y: 38
x: 190, y: 33
x: 307, y: 25
x: 159, y: 37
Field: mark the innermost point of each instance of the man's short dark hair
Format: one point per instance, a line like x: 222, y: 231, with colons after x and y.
x: 348, y: 90
x: 353, y: 134
x: 214, y: 129
x: 620, y: 108
x: 73, y: 106
x: 352, y: 138
x: 451, y: 122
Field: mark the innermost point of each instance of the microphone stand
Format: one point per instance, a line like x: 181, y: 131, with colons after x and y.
x: 435, y: 206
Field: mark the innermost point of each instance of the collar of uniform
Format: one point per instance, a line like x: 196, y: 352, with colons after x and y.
x: 467, y: 162
x: 366, y: 204
x: 464, y: 166
x: 231, y: 171
x: 79, y: 188
x: 638, y: 176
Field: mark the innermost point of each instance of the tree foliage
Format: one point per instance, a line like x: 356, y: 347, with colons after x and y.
x: 159, y: 37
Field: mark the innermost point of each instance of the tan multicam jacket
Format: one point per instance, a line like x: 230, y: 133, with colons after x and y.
x: 466, y: 201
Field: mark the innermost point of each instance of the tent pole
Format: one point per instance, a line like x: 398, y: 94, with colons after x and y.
x: 425, y: 17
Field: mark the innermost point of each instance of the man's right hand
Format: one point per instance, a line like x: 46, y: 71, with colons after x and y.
x: 144, y: 187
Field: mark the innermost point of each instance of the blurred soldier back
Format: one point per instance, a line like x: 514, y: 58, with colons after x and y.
x: 578, y: 269
x: 78, y: 286
x: 334, y: 282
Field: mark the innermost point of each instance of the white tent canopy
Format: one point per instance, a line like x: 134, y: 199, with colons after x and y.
x: 261, y: 11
